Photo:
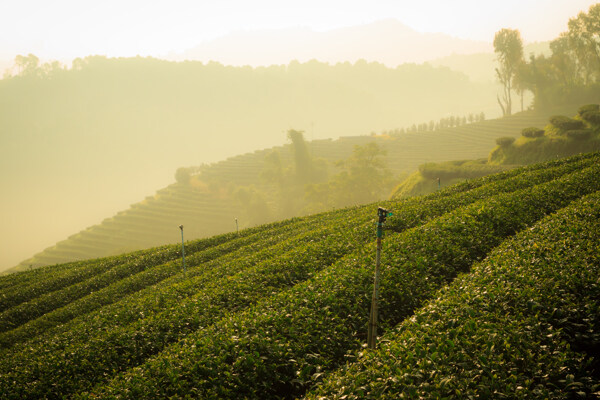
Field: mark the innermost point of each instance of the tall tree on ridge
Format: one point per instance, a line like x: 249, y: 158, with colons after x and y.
x: 508, y: 47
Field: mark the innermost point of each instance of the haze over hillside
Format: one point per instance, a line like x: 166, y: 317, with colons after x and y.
x: 388, y: 41
x: 77, y: 146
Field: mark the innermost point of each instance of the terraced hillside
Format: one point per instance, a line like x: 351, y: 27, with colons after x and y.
x: 205, y: 212
x: 281, y: 310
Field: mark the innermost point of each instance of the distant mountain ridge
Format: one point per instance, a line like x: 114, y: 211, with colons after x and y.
x: 387, y: 41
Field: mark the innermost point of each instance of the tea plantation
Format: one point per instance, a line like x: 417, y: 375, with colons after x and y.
x: 489, y: 289
x: 154, y: 221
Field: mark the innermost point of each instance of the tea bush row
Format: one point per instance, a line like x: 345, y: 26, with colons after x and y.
x: 89, y: 349
x: 523, y: 324
x: 281, y: 346
x: 173, y: 290
x: 138, y: 282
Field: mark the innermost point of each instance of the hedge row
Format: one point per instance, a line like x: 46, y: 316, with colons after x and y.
x: 111, y: 325
x: 25, y: 291
x: 451, y: 170
x: 77, y: 358
x: 523, y: 324
x: 565, y: 123
x: 130, y: 266
x: 146, y: 280
x: 281, y: 346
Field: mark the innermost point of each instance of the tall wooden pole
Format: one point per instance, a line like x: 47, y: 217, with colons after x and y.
x: 382, y: 213
x: 182, y: 248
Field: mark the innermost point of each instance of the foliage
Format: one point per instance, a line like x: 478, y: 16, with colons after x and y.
x: 592, y: 117
x: 363, y: 178
x: 269, y: 312
x: 508, y: 47
x: 563, y: 137
x: 523, y: 324
x: 283, y: 345
x: 532, y: 132
x: 565, y: 124
x: 587, y: 108
x: 571, y: 73
x: 505, y: 141
x: 465, y: 169
x: 183, y: 175
x: 579, y: 134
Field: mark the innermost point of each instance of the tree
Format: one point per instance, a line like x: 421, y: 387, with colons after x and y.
x: 183, y: 175
x: 583, y: 39
x: 27, y: 65
x: 508, y: 47
x: 363, y: 179
x: 304, y: 170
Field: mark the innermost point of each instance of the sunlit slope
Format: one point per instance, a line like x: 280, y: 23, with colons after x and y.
x: 205, y: 212
x: 271, y: 312
x: 523, y: 324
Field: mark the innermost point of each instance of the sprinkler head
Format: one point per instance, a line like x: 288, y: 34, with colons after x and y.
x: 181, y: 227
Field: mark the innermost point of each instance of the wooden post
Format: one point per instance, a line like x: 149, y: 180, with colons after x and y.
x: 182, y: 248
x: 382, y: 213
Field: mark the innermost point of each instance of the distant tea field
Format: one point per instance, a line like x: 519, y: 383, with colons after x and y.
x: 205, y: 212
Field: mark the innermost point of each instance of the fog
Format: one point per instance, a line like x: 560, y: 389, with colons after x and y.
x: 79, y: 144
x: 83, y: 138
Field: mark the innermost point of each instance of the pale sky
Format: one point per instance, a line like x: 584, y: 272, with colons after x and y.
x: 64, y: 29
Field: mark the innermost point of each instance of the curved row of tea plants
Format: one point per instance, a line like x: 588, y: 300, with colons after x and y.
x: 183, y: 320
x: 120, y: 268
x: 147, y: 303
x: 523, y: 324
x: 58, y: 278
x: 279, y: 347
x: 198, y: 254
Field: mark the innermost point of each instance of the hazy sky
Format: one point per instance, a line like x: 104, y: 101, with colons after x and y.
x: 64, y: 29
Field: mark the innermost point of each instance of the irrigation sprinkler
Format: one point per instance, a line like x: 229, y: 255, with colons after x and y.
x: 382, y: 213
x: 438, y: 179
x: 237, y: 229
x: 182, y: 248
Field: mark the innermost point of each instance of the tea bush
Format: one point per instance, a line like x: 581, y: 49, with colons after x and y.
x: 523, y: 324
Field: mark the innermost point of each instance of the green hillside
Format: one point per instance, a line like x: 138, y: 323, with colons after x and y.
x: 560, y: 137
x: 205, y: 209
x: 280, y: 310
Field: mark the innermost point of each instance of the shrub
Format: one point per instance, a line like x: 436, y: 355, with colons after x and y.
x: 593, y: 117
x: 587, y: 108
x: 505, y: 141
x: 580, y: 134
x: 565, y: 123
x: 183, y: 175
x: 521, y: 323
x: 532, y: 132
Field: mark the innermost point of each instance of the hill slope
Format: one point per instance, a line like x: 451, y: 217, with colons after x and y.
x: 122, y: 126
x: 205, y: 212
x: 272, y: 311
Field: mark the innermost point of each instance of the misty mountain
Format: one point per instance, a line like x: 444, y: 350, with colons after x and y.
x: 388, y: 41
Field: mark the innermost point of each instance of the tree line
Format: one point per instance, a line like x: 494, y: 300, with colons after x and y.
x: 443, y: 123
x: 570, y: 74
